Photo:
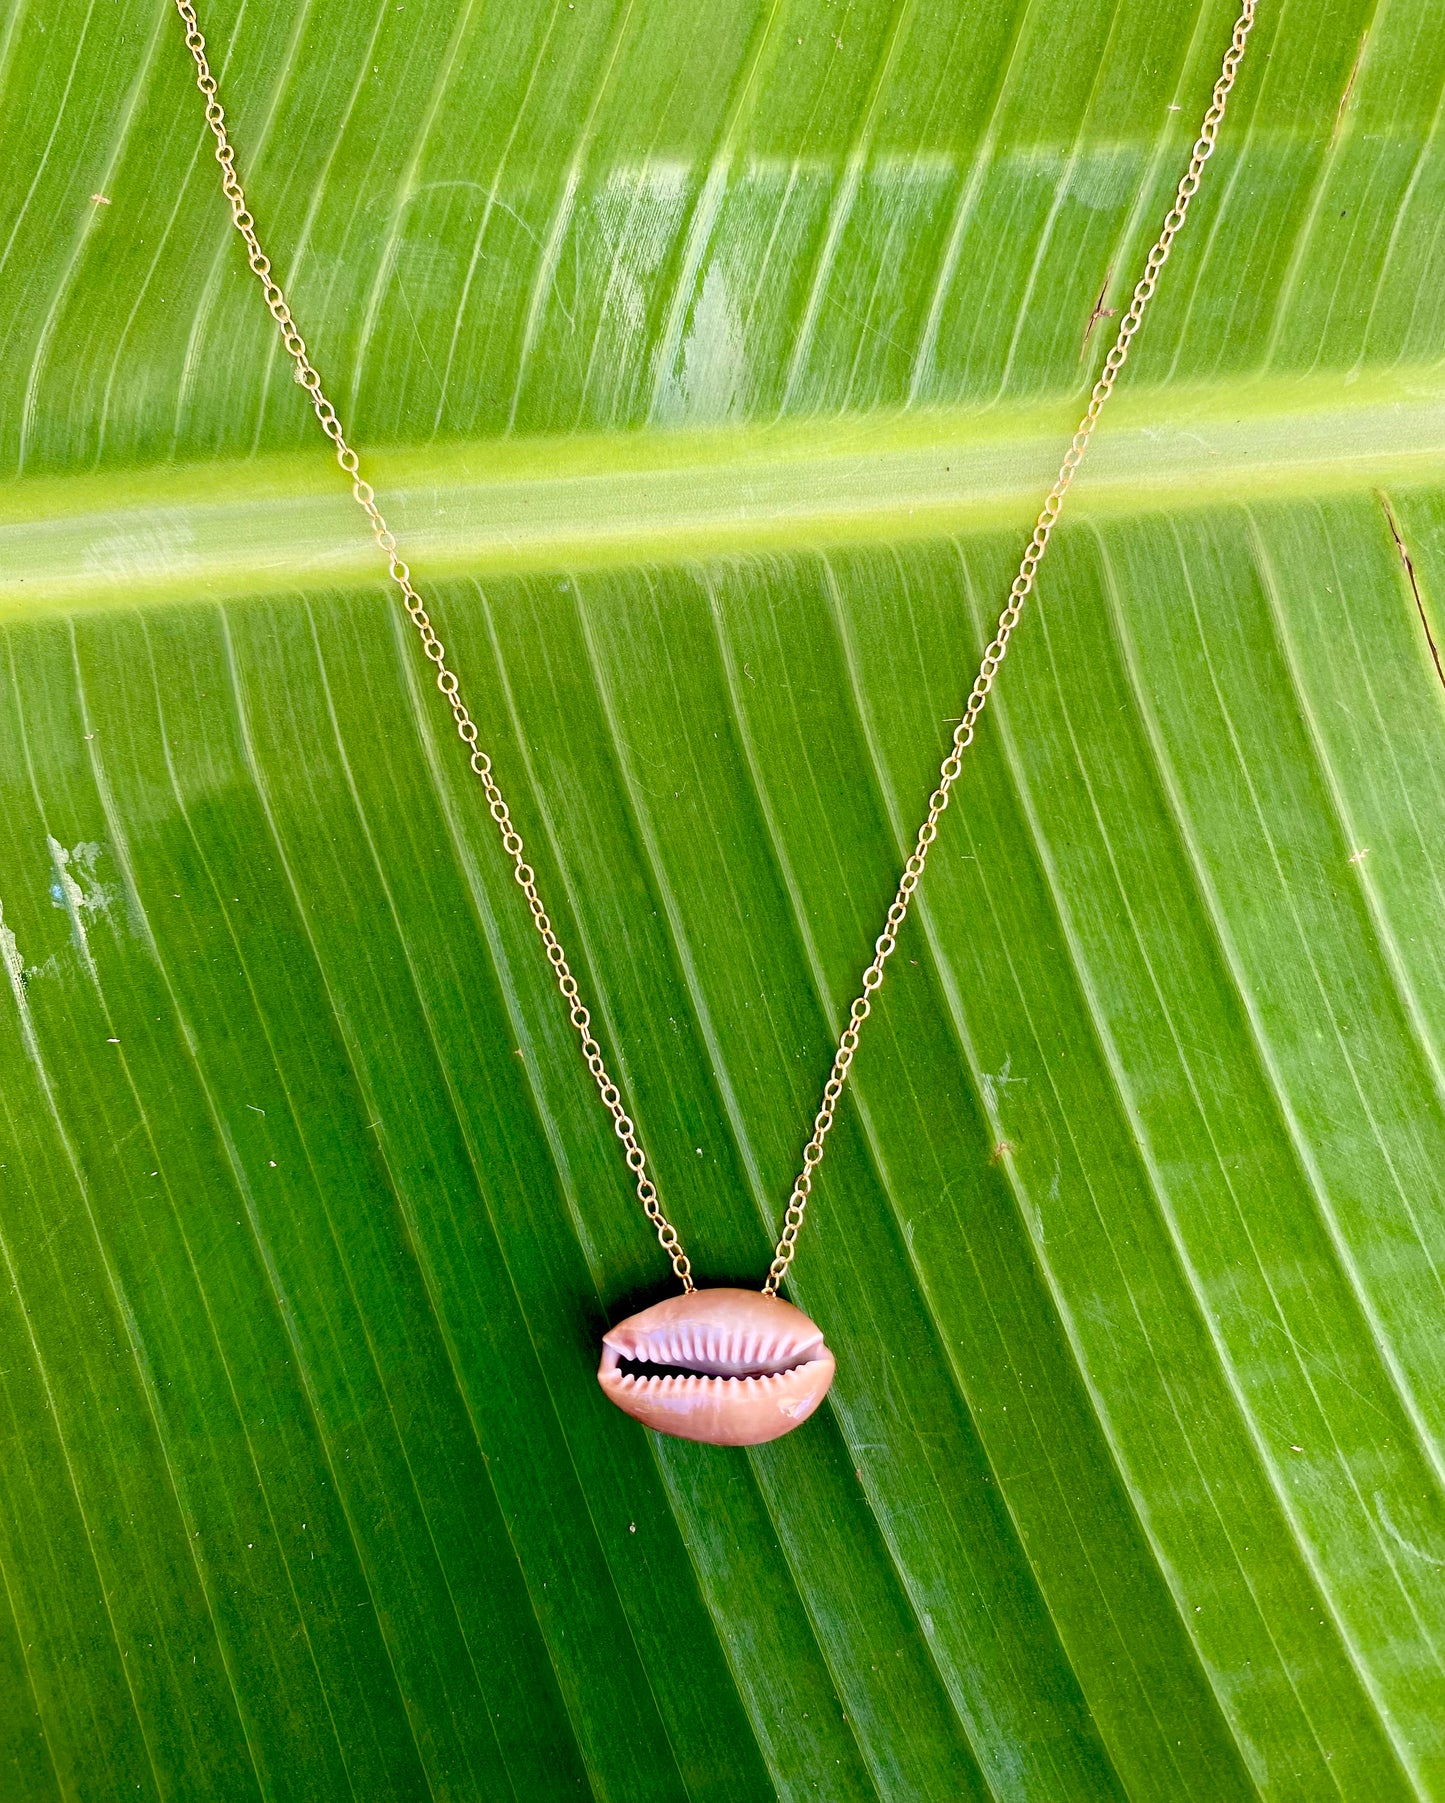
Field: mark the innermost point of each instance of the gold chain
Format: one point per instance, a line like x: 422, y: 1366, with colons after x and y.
x: 481, y: 764
x: 435, y: 650
x: 994, y: 655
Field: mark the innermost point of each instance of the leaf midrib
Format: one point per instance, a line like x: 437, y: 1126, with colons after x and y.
x: 247, y: 526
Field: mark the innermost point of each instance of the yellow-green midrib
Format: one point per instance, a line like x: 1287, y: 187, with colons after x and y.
x: 231, y: 528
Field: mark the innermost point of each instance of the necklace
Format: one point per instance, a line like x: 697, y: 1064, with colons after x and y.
x: 726, y: 1366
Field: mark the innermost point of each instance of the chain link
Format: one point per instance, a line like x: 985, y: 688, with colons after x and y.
x: 1023, y: 583
x: 481, y: 764
x: 445, y: 679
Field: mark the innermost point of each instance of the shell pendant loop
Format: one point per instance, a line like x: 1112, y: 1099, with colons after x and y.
x: 727, y: 1367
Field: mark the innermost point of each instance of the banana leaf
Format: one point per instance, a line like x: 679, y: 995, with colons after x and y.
x: 711, y: 359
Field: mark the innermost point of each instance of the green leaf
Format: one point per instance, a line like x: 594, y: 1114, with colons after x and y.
x: 716, y: 358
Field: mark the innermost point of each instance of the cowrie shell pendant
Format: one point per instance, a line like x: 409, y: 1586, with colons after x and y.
x: 728, y: 1367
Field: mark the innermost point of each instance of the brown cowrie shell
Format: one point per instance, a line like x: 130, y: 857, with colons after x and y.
x: 735, y: 1367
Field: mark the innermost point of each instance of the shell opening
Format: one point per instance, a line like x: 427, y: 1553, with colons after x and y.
x: 645, y: 1367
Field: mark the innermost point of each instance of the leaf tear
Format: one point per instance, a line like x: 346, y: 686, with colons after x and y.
x: 1100, y: 311
x: 1349, y: 89
x: 1414, y: 582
